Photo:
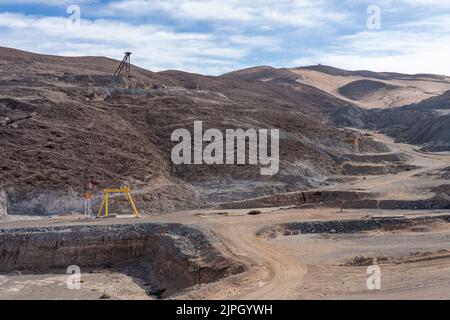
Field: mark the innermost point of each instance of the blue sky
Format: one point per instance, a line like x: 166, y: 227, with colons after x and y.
x: 217, y: 36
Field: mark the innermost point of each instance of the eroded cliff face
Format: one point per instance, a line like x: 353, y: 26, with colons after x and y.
x: 171, y: 256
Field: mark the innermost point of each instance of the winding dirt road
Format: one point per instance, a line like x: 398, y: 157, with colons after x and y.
x: 284, y: 273
x: 274, y: 269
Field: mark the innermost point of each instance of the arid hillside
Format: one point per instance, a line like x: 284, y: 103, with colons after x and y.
x: 410, y: 108
x: 349, y: 193
x: 426, y: 124
x: 366, y: 89
x: 64, y: 121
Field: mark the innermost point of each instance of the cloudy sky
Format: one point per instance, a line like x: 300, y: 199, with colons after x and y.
x: 217, y: 36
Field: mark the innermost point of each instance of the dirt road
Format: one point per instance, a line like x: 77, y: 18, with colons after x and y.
x: 406, y: 185
x: 285, y: 269
x: 285, y: 272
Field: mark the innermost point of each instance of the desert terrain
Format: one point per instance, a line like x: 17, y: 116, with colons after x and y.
x: 222, y: 232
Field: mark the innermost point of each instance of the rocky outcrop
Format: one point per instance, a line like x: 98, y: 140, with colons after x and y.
x: 3, y: 201
x: 423, y: 204
x: 171, y: 256
x: 363, y: 170
x: 52, y: 203
x: 301, y: 199
x: 44, y: 203
x: 347, y: 226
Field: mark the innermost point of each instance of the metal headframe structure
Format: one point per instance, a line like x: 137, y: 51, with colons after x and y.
x: 124, y: 66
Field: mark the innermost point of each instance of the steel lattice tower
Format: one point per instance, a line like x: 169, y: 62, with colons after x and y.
x: 124, y: 66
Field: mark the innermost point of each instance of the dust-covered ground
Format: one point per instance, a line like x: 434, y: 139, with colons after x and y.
x: 413, y: 260
x: 347, y: 196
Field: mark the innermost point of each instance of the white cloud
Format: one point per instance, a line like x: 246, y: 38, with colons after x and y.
x: 433, y: 24
x: 405, y: 4
x: 48, y: 2
x: 230, y: 34
x: 426, y: 3
x: 416, y: 40
x: 236, y: 31
x: 155, y: 47
x: 396, y: 51
x: 297, y: 13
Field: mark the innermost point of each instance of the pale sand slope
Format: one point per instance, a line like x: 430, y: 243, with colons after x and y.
x: 411, y: 90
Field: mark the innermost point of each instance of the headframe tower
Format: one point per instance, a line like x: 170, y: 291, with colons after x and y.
x: 125, y: 66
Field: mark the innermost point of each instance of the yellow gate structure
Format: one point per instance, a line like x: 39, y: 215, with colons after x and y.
x: 105, y: 201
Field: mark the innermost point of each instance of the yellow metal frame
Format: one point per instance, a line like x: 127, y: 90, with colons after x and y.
x: 105, y: 201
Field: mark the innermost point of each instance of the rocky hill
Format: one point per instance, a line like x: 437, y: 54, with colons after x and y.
x: 64, y: 121
x: 410, y: 108
x: 366, y: 89
x: 426, y: 124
